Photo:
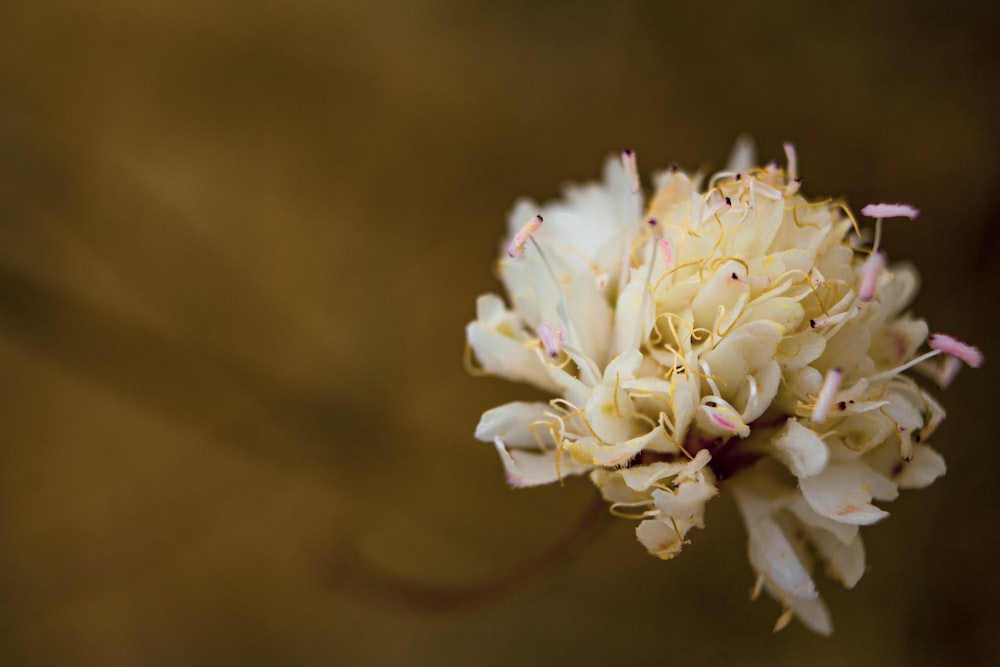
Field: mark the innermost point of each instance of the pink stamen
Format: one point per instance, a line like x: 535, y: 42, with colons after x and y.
x: 890, y: 211
x: 956, y: 348
x: 869, y: 275
x: 551, y: 340
x: 831, y: 384
x: 516, y: 246
x: 628, y: 159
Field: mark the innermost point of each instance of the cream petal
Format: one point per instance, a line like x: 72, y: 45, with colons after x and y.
x: 743, y: 155
x: 773, y: 556
x: 687, y: 501
x: 659, y: 537
x: 925, y: 467
x: 844, y: 532
x: 614, y: 489
x: 640, y: 478
x: 526, y: 469
x: 767, y: 382
x: 505, y: 357
x: 799, y: 448
x: 512, y: 423
x: 800, y: 349
x: 605, y: 410
x: 720, y: 420
x: 845, y: 562
x: 813, y: 614
x: 629, y: 330
x: 844, y: 491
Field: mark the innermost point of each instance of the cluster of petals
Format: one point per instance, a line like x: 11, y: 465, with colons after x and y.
x: 721, y: 336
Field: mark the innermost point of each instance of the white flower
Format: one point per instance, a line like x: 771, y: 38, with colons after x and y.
x: 733, y: 337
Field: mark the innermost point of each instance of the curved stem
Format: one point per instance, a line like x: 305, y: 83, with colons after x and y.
x: 397, y: 591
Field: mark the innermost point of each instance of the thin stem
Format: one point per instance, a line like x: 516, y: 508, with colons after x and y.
x: 393, y: 590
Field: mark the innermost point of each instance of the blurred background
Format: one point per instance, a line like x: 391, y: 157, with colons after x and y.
x: 239, y: 242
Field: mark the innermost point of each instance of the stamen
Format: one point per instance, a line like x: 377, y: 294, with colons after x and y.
x: 752, y: 281
x: 902, y: 367
x: 551, y: 340
x: 890, y: 211
x: 834, y: 319
x: 869, y: 275
x: 520, y: 239
x: 792, y: 159
x: 956, y: 348
x: 826, y: 393
x: 628, y: 159
x: 786, y: 617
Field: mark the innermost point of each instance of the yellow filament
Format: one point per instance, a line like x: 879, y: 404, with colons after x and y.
x: 842, y: 205
x: 615, y: 511
x: 470, y: 367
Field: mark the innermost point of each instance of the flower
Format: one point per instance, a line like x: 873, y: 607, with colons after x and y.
x: 735, y: 337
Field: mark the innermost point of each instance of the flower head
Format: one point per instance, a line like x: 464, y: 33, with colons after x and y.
x: 729, y: 337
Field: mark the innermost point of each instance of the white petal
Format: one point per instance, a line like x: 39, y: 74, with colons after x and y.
x: 846, y: 562
x: 720, y: 420
x: 843, y: 492
x: 925, y: 467
x: 773, y: 556
x: 512, y: 422
x: 743, y: 155
x: 686, y: 502
x: 659, y: 537
x: 813, y: 614
x: 799, y: 448
x: 640, y: 478
x: 507, y: 358
x: 530, y: 469
x: 842, y: 531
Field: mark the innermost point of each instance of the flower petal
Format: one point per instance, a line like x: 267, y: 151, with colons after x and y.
x: 530, y: 469
x: 799, y: 448
x: 843, y: 492
x: 925, y: 467
x: 512, y: 423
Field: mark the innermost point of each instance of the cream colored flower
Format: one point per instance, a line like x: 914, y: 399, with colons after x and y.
x: 734, y: 336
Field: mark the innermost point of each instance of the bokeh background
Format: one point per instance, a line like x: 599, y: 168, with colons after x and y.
x: 239, y: 242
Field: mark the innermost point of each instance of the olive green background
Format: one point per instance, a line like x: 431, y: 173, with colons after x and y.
x: 239, y: 242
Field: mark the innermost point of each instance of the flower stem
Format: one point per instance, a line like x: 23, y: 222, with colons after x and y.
x: 396, y: 591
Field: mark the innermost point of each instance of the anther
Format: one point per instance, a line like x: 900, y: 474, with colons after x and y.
x: 551, y: 340
x: 516, y: 246
x: 831, y: 384
x: 890, y: 211
x: 956, y: 348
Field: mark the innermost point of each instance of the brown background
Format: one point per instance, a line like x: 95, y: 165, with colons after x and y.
x: 239, y: 242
